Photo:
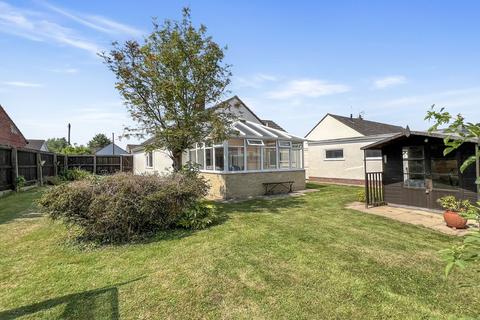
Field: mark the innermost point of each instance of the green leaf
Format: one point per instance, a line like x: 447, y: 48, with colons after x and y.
x: 449, y: 268
x: 470, y: 160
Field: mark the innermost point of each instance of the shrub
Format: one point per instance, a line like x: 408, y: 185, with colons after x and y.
x: 125, y: 207
x: 197, y: 217
x: 76, y: 174
x: 361, y: 197
x: 20, y: 182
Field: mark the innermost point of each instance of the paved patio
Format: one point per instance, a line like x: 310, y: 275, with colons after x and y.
x: 429, y: 219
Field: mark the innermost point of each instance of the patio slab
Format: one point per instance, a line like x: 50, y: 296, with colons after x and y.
x: 425, y: 218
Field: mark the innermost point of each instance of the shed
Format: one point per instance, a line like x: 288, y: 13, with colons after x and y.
x: 109, y: 150
x: 417, y: 173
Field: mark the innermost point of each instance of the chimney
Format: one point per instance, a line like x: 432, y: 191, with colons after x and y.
x: 360, y: 116
x: 351, y: 115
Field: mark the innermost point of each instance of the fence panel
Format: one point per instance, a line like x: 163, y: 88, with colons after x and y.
x: 6, y: 169
x: 127, y: 163
x: 27, y: 165
x: 81, y: 162
x: 48, y: 168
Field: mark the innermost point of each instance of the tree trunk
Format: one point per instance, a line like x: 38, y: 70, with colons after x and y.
x: 177, y: 160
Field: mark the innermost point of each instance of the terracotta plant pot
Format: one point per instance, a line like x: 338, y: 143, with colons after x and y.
x: 454, y: 220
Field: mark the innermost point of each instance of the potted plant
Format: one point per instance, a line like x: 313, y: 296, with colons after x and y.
x: 456, y: 211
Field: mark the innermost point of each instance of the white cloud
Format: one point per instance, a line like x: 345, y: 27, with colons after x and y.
x: 22, y: 84
x: 310, y: 88
x: 34, y: 26
x: 467, y: 97
x: 96, y: 22
x: 65, y: 70
x: 254, y: 81
x: 389, y: 81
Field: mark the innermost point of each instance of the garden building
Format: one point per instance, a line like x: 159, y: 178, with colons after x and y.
x: 417, y: 173
x: 259, y: 157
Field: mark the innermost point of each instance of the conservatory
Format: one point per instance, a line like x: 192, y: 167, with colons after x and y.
x: 256, y: 157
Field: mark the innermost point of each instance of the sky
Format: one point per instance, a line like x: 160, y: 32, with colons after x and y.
x: 291, y: 62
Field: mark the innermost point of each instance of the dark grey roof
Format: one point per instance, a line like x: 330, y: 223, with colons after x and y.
x: 35, y: 144
x: 109, y: 150
x: 407, y: 133
x: 272, y: 124
x: 367, y: 127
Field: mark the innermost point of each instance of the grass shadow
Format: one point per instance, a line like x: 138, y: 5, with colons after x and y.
x: 99, y: 303
x: 21, y: 205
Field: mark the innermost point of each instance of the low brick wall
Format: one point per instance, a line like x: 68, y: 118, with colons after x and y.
x: 248, y: 184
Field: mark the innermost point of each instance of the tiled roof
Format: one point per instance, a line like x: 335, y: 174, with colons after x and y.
x: 272, y: 124
x: 366, y: 127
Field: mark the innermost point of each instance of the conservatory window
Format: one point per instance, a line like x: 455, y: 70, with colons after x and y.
x: 270, y: 155
x: 297, y: 155
x: 219, y: 162
x: 208, y: 159
x: 284, y: 158
x: 254, y: 158
x: 200, y: 157
x: 252, y: 142
x: 236, y: 155
x: 286, y: 144
x: 413, y: 167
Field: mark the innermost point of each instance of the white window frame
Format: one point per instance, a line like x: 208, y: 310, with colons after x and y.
x: 255, y: 142
x: 335, y: 159
x: 147, y: 158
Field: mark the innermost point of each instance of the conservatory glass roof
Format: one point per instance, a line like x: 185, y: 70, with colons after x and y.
x: 248, y: 129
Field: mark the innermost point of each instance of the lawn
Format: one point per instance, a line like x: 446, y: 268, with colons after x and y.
x: 292, y: 258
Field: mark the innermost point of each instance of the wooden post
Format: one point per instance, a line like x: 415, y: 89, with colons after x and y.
x: 14, y: 159
x: 121, y: 163
x: 477, y: 162
x: 366, y: 177
x: 55, y: 165
x: 39, y: 169
x: 94, y: 164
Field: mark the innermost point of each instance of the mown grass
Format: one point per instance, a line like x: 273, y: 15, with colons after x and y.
x: 292, y: 258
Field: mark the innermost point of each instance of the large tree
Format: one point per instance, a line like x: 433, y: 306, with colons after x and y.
x: 56, y: 144
x: 459, y: 131
x: 168, y: 80
x: 99, y: 141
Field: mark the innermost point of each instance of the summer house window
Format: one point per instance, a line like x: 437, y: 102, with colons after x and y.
x: 413, y: 166
x: 334, y: 154
x: 373, y: 153
x: 444, y: 169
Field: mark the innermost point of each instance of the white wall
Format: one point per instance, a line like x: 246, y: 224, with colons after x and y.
x: 351, y: 167
x: 161, y: 162
x: 331, y: 128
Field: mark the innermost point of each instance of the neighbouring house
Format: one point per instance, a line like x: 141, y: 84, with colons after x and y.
x: 37, y: 144
x: 110, y: 150
x: 333, y: 148
x: 417, y: 173
x: 10, y: 135
x: 260, y: 152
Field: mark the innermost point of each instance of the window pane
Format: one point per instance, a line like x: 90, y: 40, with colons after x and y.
x: 447, y: 181
x: 445, y: 166
x: 413, y: 152
x: 219, y: 163
x: 253, y: 158
x: 284, y: 158
x: 284, y: 143
x: 269, y: 158
x: 200, y: 158
x: 296, y: 158
x: 413, y: 166
x: 209, y: 159
x: 193, y: 156
x: 334, y: 154
x: 373, y: 153
x: 414, y: 180
x: 236, y: 143
x: 235, y: 159
x: 254, y: 142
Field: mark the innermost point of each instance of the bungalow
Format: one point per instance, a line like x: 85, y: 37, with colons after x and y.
x: 260, y: 155
x: 333, y: 148
x: 110, y: 150
x: 416, y: 172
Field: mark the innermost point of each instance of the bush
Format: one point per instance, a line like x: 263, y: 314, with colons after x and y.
x: 361, y: 197
x: 125, y: 207
x: 20, y: 182
x: 76, y: 174
x: 197, y: 217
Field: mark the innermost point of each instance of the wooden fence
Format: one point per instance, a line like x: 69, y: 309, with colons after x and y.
x: 33, y: 164
x: 374, y: 189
